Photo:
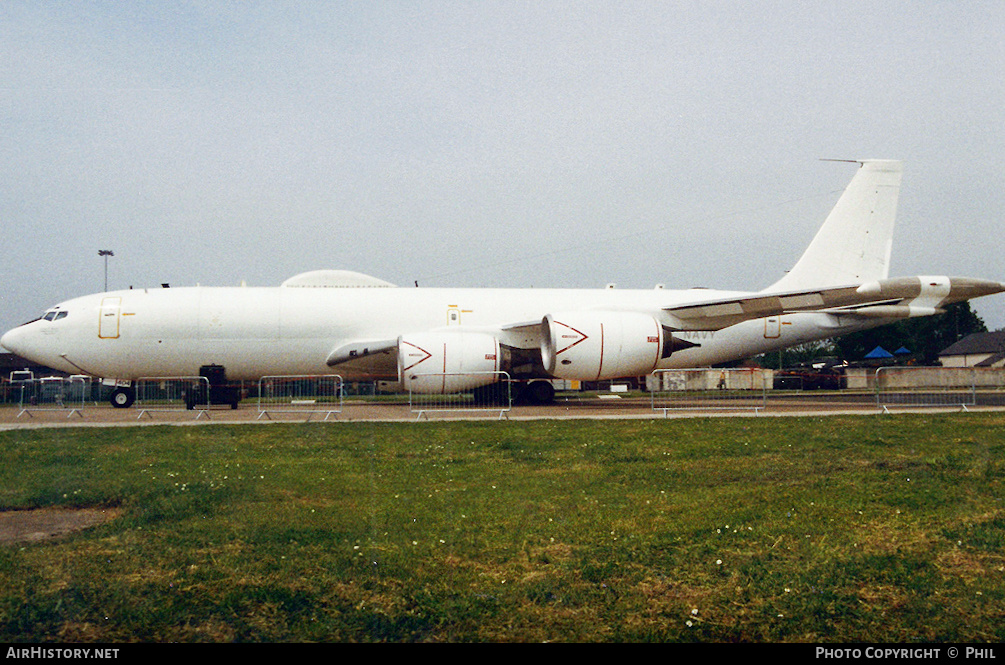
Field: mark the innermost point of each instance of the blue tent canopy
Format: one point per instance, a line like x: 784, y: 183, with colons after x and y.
x: 878, y: 352
x: 902, y: 351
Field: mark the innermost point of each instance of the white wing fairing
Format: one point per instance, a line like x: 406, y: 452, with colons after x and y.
x: 447, y: 340
x: 359, y: 350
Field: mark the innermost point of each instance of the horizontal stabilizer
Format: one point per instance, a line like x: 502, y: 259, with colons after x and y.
x: 925, y: 294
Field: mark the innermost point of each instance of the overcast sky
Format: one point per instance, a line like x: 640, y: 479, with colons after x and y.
x: 545, y: 144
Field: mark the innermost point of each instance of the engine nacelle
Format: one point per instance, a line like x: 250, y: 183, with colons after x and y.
x: 447, y: 361
x: 593, y: 345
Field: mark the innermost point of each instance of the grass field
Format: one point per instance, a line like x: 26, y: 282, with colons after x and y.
x: 833, y: 529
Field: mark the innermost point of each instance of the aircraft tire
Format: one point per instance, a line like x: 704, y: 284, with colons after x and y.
x: 539, y: 392
x: 122, y: 398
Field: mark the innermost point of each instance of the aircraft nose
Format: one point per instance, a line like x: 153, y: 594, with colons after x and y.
x: 12, y: 341
x: 38, y: 345
x: 9, y: 340
x: 21, y: 341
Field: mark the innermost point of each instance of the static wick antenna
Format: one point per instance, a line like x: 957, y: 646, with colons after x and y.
x: 844, y: 161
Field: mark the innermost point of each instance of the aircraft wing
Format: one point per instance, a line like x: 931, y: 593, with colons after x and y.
x: 891, y: 298
x: 886, y: 299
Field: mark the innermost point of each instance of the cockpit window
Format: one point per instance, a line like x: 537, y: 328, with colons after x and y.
x: 55, y: 315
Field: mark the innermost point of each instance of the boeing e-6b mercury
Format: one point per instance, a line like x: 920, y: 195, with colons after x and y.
x: 435, y: 340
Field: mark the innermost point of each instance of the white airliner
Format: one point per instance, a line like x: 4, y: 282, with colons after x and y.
x: 446, y: 340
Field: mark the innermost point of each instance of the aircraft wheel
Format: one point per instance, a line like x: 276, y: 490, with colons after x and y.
x: 540, y: 392
x: 122, y: 398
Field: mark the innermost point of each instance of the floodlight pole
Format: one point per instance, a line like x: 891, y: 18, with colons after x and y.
x: 106, y: 253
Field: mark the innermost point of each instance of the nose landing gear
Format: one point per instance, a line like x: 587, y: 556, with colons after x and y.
x: 122, y: 398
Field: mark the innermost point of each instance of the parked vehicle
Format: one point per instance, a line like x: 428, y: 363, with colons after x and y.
x: 823, y: 377
x: 219, y: 390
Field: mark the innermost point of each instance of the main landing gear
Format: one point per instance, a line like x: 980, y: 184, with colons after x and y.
x: 532, y: 392
x: 537, y: 392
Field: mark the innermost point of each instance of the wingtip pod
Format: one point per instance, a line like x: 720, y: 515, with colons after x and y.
x: 935, y: 293
x: 922, y: 295
x: 938, y: 290
x: 965, y: 288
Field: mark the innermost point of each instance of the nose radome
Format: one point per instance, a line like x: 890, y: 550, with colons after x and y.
x: 8, y: 340
x: 32, y: 344
x: 18, y: 341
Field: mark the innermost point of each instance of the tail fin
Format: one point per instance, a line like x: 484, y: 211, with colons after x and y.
x: 853, y: 245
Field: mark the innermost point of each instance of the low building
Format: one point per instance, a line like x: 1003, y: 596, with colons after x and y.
x: 976, y: 350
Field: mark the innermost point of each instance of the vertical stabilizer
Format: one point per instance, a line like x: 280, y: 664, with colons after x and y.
x: 853, y: 245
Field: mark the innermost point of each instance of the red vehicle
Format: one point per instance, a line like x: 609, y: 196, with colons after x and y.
x: 811, y: 378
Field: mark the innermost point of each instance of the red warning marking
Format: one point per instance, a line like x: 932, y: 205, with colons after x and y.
x: 425, y: 357
x: 579, y: 337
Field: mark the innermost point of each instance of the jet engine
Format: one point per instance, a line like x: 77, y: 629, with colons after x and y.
x: 595, y: 345
x: 447, y: 361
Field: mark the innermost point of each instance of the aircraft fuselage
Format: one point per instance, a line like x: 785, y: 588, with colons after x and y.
x: 266, y: 331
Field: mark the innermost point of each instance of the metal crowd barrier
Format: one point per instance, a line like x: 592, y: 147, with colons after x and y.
x: 496, y: 396
x: 52, y: 394
x: 172, y: 393
x: 904, y: 387
x: 705, y: 389
x: 308, y: 395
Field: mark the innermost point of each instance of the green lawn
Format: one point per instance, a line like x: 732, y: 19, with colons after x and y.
x: 831, y: 529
